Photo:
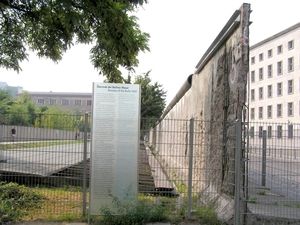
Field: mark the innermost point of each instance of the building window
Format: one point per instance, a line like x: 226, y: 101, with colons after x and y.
x: 89, y: 102
x: 279, y: 68
x: 290, y: 131
x: 252, y: 114
x: 65, y: 102
x: 279, y: 131
x: 261, y: 73
x: 52, y: 102
x: 41, y: 101
x: 291, y: 44
x: 269, y: 131
x: 252, y: 76
x: 291, y: 64
x: 279, y: 49
x: 279, y: 89
x: 260, y: 131
x: 260, y: 112
x: 261, y: 56
x: 261, y: 93
x: 279, y: 110
x: 269, y: 111
x: 253, y: 60
x: 270, y: 91
x: 270, y: 53
x: 252, y: 95
x: 252, y: 132
x: 270, y: 71
x: 77, y: 102
x: 290, y: 109
x: 290, y: 86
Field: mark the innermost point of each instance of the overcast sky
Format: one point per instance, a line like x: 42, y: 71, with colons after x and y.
x: 181, y: 31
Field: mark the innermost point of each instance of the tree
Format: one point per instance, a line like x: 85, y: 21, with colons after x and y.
x: 51, y: 27
x: 6, y: 101
x: 22, y: 111
x: 153, y: 100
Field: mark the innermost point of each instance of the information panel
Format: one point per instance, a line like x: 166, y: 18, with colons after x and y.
x: 115, y: 144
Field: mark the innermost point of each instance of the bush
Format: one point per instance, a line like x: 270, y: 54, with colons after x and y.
x: 131, y: 214
x: 15, y: 200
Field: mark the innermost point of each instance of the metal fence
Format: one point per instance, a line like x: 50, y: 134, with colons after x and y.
x: 273, y: 162
x: 213, y: 170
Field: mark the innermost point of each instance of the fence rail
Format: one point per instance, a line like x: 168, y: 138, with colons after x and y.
x: 191, y: 165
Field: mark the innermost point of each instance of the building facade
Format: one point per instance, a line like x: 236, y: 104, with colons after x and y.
x: 79, y: 102
x: 274, y: 82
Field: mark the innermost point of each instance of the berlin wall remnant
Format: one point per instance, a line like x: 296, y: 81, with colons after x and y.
x: 214, y: 96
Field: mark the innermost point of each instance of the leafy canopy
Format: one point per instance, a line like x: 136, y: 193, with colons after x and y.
x: 51, y: 27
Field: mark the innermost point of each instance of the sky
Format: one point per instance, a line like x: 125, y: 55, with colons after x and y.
x: 181, y: 32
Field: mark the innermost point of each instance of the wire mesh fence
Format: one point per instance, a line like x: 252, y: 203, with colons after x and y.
x: 188, y: 166
x: 272, y: 157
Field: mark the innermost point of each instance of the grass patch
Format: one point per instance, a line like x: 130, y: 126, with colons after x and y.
x: 36, y: 144
x: 64, y: 204
x: 262, y: 193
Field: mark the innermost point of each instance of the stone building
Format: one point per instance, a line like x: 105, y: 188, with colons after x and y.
x: 72, y: 101
x: 274, y: 83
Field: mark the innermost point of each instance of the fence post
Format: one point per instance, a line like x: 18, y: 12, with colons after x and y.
x: 190, y: 178
x: 238, y: 158
x: 264, y: 158
x: 86, y: 116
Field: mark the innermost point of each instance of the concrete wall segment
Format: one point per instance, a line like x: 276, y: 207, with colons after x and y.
x: 215, y: 100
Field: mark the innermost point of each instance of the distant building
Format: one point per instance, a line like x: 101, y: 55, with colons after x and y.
x: 274, y: 81
x: 72, y: 101
x: 14, y: 90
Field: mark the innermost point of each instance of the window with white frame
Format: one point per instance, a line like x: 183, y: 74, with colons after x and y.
x: 52, y: 101
x: 279, y: 49
x: 279, y: 110
x: 252, y: 113
x: 279, y: 89
x: 291, y: 64
x: 253, y: 60
x: 290, y: 109
x: 261, y: 73
x: 41, y: 101
x: 279, y: 131
x: 260, y: 112
x: 291, y: 44
x: 270, y: 53
x: 290, y: 86
x: 279, y: 68
x: 77, y: 102
x: 269, y: 131
x: 252, y: 94
x: 252, y: 76
x: 270, y: 70
x: 65, y: 101
x: 261, y: 93
x: 270, y: 91
x: 261, y: 56
x: 260, y: 131
x: 290, y: 131
x: 269, y: 111
x: 252, y: 132
x: 89, y: 102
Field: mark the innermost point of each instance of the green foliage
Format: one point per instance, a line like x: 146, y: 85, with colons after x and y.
x: 129, y: 213
x: 15, y: 200
x: 50, y: 28
x: 262, y: 192
x: 54, y: 118
x: 6, y: 101
x: 22, y: 111
x: 153, y: 101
